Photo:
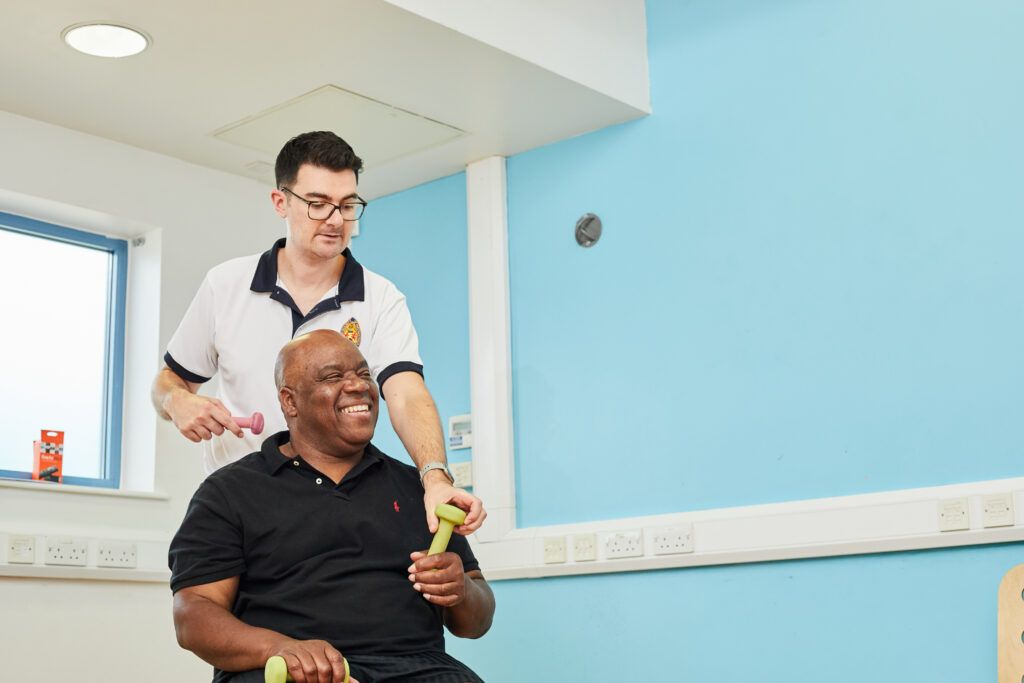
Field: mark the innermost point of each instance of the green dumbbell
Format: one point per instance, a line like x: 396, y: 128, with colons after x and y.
x: 449, y: 517
x: 276, y: 670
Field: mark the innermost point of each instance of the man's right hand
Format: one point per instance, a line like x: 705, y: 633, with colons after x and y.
x: 312, y: 661
x: 199, y: 418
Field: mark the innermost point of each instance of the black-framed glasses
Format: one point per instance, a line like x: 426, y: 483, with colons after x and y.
x: 319, y: 210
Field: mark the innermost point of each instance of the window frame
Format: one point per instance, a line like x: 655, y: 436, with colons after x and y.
x: 113, y: 371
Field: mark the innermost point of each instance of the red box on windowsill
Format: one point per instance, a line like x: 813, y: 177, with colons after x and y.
x: 48, y: 456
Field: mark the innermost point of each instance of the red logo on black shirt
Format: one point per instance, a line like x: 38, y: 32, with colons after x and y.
x: 395, y: 503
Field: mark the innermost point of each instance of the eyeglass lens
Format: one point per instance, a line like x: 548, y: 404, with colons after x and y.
x: 321, y: 211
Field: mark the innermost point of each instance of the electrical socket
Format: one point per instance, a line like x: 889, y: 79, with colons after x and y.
x: 554, y: 549
x: 624, y: 544
x: 954, y: 515
x: 64, y: 550
x: 21, y: 549
x: 673, y: 540
x: 463, y: 474
x: 584, y: 547
x: 116, y: 554
x: 997, y: 510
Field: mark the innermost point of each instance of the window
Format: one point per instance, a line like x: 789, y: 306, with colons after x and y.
x: 61, y: 347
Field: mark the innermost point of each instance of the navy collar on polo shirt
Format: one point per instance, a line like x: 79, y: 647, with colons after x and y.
x: 350, y: 285
x: 274, y: 460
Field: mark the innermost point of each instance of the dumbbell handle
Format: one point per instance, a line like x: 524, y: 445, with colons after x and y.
x: 253, y: 422
x: 276, y: 670
x: 448, y: 517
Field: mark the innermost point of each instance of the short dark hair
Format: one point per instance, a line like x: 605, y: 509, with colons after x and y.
x: 319, y: 148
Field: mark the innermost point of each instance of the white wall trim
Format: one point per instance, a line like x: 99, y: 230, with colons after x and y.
x: 142, y: 360
x: 906, y: 519
x: 847, y: 525
x: 490, y: 348
x: 28, y: 571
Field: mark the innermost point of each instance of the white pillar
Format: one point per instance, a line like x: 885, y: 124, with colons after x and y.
x: 490, y: 346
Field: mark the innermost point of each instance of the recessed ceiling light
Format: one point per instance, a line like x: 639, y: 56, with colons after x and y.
x: 105, y: 40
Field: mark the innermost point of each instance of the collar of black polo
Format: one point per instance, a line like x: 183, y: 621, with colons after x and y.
x: 274, y: 460
x: 350, y: 284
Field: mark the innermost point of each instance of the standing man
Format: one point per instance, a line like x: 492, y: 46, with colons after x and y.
x: 248, y: 307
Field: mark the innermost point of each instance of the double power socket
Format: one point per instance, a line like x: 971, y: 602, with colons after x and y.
x: 618, y: 544
x: 69, y: 551
x: 954, y: 514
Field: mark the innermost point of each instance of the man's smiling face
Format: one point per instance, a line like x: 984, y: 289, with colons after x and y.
x: 334, y: 400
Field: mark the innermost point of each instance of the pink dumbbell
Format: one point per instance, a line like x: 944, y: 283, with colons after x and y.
x: 254, y: 423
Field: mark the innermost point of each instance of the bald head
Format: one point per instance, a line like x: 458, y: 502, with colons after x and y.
x: 326, y: 390
x: 299, y: 349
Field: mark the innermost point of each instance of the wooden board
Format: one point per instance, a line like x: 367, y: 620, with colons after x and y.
x: 1011, y: 626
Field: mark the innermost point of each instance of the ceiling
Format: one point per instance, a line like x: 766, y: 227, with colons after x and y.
x: 224, y: 84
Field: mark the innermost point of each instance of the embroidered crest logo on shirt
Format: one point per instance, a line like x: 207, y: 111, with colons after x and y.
x: 352, y: 331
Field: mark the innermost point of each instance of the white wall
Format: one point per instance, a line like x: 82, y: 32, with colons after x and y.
x: 602, y: 45
x: 194, y: 218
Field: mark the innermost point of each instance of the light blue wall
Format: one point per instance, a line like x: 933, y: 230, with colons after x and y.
x: 810, y: 284
x: 903, y: 617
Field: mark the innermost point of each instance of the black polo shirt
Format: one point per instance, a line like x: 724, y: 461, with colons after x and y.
x: 315, y: 560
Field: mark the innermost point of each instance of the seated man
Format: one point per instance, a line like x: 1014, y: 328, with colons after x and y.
x: 303, y: 549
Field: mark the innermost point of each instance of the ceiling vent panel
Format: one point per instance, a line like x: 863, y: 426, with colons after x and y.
x: 377, y: 131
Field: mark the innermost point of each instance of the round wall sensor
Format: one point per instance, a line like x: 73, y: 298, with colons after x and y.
x: 588, y: 230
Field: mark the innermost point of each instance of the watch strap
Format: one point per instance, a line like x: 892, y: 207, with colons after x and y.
x: 436, y: 466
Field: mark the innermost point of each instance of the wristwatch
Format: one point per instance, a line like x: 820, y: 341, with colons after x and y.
x: 436, y: 466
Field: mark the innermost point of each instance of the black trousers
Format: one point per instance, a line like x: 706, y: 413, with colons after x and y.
x: 419, y: 667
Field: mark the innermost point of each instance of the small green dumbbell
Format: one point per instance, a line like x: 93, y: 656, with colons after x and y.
x: 449, y: 517
x: 276, y: 671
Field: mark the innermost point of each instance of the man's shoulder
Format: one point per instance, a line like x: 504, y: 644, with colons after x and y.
x: 377, y: 284
x: 232, y: 269
x: 244, y: 468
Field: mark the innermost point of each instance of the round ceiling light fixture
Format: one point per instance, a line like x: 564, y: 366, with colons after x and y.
x: 102, y: 39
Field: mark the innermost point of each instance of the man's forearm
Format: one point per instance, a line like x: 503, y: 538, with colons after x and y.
x: 220, y: 638
x: 472, y: 617
x: 165, y: 384
x: 414, y: 416
x: 416, y: 420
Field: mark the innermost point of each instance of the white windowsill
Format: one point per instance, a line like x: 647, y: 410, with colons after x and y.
x: 80, y: 490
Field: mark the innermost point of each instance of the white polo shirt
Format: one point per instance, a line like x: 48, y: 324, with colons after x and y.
x: 242, y: 316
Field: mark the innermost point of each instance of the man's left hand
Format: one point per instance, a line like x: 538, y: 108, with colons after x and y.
x: 439, y: 578
x: 437, y: 490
